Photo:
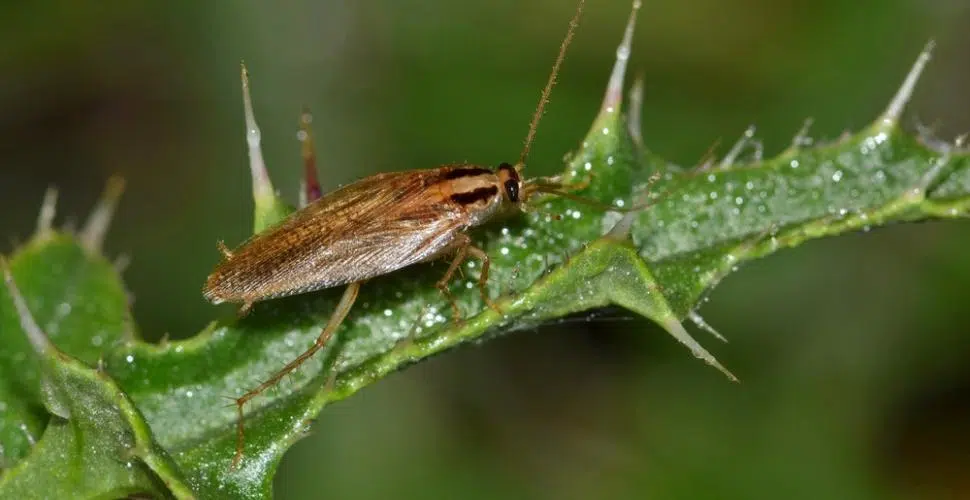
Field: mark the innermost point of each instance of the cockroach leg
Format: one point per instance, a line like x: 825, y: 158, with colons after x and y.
x: 464, y: 250
x: 244, y: 309
x: 408, y: 339
x: 442, y: 284
x: 343, y: 307
x: 224, y: 250
x: 480, y: 254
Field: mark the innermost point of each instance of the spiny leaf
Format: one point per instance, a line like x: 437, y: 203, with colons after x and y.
x: 96, y: 444
x: 80, y: 303
x: 559, y: 258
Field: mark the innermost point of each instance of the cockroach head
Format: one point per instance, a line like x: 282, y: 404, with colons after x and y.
x: 511, y: 182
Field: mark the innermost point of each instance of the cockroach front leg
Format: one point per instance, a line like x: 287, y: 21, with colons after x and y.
x: 343, y: 307
x: 464, y: 248
x: 480, y: 254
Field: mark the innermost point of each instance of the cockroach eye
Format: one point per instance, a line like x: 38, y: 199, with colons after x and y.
x: 512, y: 190
x: 510, y: 181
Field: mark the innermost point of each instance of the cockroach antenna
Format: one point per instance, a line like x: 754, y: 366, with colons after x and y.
x: 544, y: 99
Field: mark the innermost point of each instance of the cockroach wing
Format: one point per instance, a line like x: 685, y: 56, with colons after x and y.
x: 371, y: 227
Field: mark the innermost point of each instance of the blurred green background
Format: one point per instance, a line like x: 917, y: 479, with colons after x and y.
x: 854, y: 352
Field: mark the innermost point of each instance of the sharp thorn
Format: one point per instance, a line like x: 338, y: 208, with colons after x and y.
x: 635, y: 114
x: 802, y: 138
x: 703, y: 325
x: 48, y: 209
x: 891, y: 116
x: 121, y: 263
x: 310, y: 184
x: 614, y: 89
x: 678, y: 332
x: 738, y: 147
x: 35, y: 335
x: 96, y: 227
x: 262, y: 186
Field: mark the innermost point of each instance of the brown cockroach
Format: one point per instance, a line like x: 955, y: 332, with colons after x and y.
x: 373, y: 227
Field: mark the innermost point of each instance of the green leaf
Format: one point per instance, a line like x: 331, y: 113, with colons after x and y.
x: 80, y: 302
x: 96, y: 444
x: 559, y: 258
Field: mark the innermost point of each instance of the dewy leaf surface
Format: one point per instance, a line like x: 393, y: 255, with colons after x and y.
x: 78, y: 300
x: 559, y: 258
x: 96, y: 444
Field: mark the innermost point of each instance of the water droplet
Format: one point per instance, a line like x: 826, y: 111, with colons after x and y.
x: 388, y: 312
x: 588, y: 166
x: 577, y: 214
x: 129, y: 358
x: 96, y: 340
x: 609, y: 160
x: 711, y: 177
x: 837, y: 176
x: 623, y: 52
x: 505, y: 231
x: 739, y: 201
x: 794, y: 164
x: 606, y: 131
x: 749, y: 185
x: 713, y: 195
x: 504, y: 251
x: 619, y: 203
x: 189, y: 394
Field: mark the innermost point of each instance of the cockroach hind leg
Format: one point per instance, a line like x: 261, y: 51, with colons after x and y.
x: 340, y: 313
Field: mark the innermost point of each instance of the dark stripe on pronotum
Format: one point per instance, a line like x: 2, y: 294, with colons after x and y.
x: 476, y: 195
x: 458, y: 173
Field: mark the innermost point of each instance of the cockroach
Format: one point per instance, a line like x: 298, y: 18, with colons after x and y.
x: 376, y: 226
